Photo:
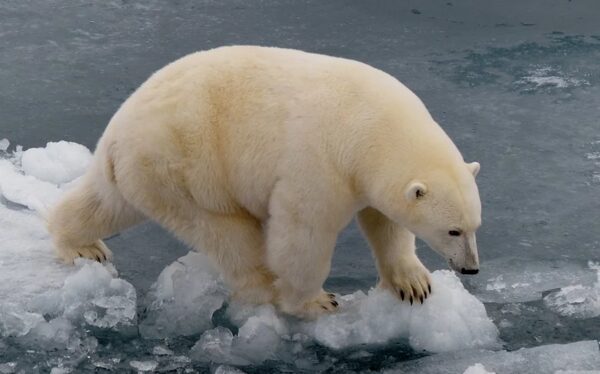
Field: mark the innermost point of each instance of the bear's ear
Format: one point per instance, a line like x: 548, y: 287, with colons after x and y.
x: 415, y: 190
x: 474, y: 167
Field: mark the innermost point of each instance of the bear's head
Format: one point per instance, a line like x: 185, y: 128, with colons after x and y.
x: 444, y: 210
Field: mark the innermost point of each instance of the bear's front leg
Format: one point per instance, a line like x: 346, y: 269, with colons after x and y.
x: 400, y: 269
x: 300, y: 257
x: 301, y: 235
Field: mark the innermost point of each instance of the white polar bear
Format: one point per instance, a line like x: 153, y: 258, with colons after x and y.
x: 259, y: 157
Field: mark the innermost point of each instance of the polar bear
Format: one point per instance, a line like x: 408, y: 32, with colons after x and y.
x: 260, y: 156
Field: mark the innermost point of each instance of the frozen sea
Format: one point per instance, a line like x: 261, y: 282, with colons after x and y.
x: 516, y: 84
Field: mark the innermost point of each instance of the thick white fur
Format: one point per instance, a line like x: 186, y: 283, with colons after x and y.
x: 259, y: 157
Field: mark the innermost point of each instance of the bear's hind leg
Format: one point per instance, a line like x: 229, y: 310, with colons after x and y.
x: 85, y: 215
x: 236, y: 243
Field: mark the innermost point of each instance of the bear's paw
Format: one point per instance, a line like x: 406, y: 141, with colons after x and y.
x: 410, y: 281
x: 96, y: 251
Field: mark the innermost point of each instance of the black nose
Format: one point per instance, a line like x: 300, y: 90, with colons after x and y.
x: 469, y: 271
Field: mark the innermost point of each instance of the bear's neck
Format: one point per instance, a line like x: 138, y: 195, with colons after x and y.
x: 396, y: 154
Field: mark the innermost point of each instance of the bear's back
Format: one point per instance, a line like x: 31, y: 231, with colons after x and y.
x: 228, y: 119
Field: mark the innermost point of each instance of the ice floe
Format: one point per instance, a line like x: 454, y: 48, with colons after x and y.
x: 508, y: 280
x: 551, y: 358
x: 184, y: 298
x: 577, y: 301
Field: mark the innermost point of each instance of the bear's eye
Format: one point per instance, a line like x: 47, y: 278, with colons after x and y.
x: 454, y: 233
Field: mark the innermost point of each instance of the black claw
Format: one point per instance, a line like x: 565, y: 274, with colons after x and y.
x: 411, y: 300
x: 98, y: 258
x: 324, y: 307
x: 421, y: 298
x: 331, y: 296
x: 334, y: 303
x: 429, y: 287
x: 402, y: 295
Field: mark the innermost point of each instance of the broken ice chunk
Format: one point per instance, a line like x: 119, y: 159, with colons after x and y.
x: 259, y: 337
x: 61, y: 370
x: 477, y: 369
x: 142, y: 366
x: 159, y: 350
x: 4, y: 144
x: 54, y: 334
x: 216, y: 345
x: 495, y: 284
x: 93, y: 293
x: 577, y: 301
x: 184, y: 298
x: 14, y: 321
x: 8, y: 368
x: 379, y: 317
x: 224, y: 369
x: 90, y: 294
x: 116, y: 307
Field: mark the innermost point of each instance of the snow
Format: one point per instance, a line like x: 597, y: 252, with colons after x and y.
x: 56, y: 163
x: 24, y: 189
x: 551, y: 358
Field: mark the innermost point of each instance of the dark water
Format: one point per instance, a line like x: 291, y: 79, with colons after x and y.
x: 516, y: 84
